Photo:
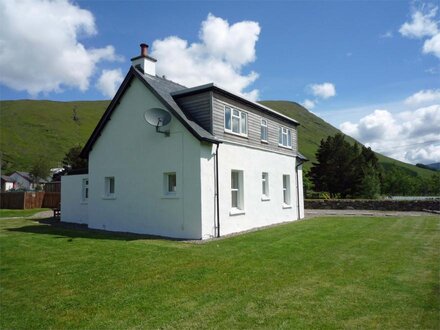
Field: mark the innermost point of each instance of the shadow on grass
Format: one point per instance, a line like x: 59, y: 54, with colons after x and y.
x: 51, y: 226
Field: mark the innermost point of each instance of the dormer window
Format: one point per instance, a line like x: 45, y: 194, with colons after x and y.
x: 285, y: 138
x: 235, y: 121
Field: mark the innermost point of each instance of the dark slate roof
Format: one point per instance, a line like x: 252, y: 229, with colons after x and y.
x: 162, y: 89
x: 25, y: 175
x: 301, y: 156
x: 7, y: 178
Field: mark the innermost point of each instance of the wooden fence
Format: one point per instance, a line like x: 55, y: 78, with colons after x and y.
x: 29, y: 200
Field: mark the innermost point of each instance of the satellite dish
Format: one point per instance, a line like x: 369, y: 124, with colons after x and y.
x: 158, y: 117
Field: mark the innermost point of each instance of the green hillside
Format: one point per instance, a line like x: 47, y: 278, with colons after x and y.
x: 30, y: 129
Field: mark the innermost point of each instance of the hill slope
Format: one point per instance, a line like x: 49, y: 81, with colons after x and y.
x: 30, y: 129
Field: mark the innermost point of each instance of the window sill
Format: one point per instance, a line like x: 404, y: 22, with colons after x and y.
x: 285, y: 147
x: 236, y: 211
x: 286, y: 206
x: 109, y: 197
x: 237, y: 134
x: 170, y: 196
x: 265, y: 198
x: 264, y: 142
x: 84, y: 203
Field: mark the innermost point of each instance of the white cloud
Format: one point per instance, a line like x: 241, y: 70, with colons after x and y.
x: 39, y: 47
x: 309, y: 104
x: 421, y: 25
x: 324, y: 90
x: 424, y: 25
x: 432, y: 45
x: 410, y: 136
x: 386, y: 35
x: 423, y: 97
x: 219, y: 57
x: 109, y: 82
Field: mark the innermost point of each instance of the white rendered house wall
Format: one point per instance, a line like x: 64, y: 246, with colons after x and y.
x: 138, y: 159
x: 74, y: 204
x: 257, y: 210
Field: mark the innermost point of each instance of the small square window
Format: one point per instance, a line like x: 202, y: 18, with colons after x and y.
x: 170, y: 184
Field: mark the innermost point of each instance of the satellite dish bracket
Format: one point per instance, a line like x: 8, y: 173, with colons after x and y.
x: 159, y: 122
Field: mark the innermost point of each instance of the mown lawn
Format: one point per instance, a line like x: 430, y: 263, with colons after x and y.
x: 8, y: 213
x: 318, y: 273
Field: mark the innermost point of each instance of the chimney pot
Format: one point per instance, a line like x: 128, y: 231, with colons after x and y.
x: 144, y: 49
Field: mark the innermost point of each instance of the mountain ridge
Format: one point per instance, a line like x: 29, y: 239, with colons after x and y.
x: 31, y: 128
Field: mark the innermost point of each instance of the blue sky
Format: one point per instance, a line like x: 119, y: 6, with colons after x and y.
x: 371, y: 64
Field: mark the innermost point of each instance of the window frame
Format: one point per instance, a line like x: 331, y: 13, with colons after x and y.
x: 241, y: 116
x: 287, y: 200
x: 265, y: 192
x: 108, y: 194
x: 85, y: 190
x: 167, y: 192
x: 264, y: 128
x: 239, y: 190
x: 287, y: 133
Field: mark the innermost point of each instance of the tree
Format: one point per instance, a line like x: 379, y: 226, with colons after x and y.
x: 72, y: 160
x: 345, y: 170
x: 40, y: 170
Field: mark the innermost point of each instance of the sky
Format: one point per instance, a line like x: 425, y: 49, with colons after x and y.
x: 369, y: 68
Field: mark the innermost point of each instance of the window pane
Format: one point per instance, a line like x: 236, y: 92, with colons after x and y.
x: 236, y: 124
x: 234, y: 198
x: 172, y: 182
x: 227, y: 118
x: 235, y: 113
x: 111, y: 185
x: 289, y: 138
x: 86, y: 193
x: 234, y: 180
x: 280, y: 137
x: 243, y: 123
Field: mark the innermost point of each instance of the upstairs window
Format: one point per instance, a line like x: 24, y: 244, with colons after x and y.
x: 285, y: 138
x: 263, y: 134
x: 235, y: 121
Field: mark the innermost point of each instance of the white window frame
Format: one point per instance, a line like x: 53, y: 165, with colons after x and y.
x: 285, y: 137
x: 170, y: 191
x: 85, y: 190
x: 265, y: 186
x: 242, y: 117
x: 286, y: 191
x: 108, y: 193
x: 239, y: 191
x: 264, y: 132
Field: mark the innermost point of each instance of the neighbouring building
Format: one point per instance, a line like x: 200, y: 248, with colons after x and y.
x: 222, y: 164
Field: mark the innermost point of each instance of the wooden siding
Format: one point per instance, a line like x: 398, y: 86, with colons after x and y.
x: 198, y: 108
x: 254, y: 127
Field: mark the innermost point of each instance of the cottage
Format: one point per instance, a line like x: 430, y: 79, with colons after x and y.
x: 215, y: 163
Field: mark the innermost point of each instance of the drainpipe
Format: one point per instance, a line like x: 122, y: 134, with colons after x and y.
x: 297, y: 186
x: 217, y: 223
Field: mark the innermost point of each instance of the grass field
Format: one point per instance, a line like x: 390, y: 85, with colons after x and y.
x: 7, y: 213
x: 320, y: 273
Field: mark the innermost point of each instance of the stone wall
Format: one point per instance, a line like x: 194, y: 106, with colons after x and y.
x: 371, y: 204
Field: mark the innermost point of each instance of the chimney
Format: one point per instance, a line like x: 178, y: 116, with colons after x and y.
x: 143, y: 62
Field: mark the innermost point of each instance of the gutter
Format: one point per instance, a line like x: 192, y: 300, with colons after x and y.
x: 300, y: 162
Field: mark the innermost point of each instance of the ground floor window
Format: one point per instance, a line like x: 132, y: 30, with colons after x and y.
x: 85, y: 190
x: 170, y: 183
x: 110, y: 186
x: 265, y: 185
x: 286, y: 189
x: 237, y: 190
